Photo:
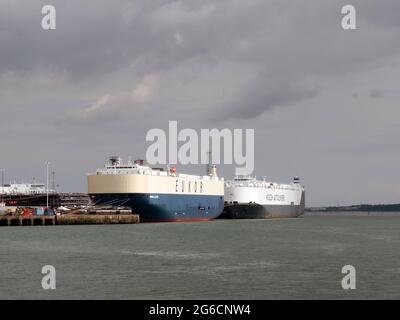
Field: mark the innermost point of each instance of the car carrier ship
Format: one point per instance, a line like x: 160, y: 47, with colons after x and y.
x: 35, y: 195
x: 27, y: 194
x: 157, y: 194
x: 249, y: 198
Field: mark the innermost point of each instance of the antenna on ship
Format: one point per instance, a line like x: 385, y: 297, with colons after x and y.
x: 115, y: 161
x: 209, y: 163
x: 211, y: 168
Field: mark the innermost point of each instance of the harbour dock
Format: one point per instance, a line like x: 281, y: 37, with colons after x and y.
x: 68, y: 219
x: 27, y: 220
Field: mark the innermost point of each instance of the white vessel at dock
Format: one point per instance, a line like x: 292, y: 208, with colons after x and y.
x: 247, y: 197
x: 23, y: 188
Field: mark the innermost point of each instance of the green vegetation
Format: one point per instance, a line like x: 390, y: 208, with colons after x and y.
x: 361, y: 207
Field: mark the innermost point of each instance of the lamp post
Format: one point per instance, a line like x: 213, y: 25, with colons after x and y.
x: 47, y: 183
x: 2, y: 180
x: 53, y: 181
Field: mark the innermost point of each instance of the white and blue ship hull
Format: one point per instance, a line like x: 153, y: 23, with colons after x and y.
x: 166, y: 207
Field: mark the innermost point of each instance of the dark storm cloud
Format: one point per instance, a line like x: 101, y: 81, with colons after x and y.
x: 288, y: 42
x: 91, y: 37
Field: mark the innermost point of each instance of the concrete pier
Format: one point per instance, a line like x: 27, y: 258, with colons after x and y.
x: 97, y: 219
x: 68, y: 219
x: 27, y: 220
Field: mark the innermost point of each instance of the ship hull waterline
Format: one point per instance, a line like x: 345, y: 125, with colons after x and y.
x: 165, y: 207
x: 257, y: 211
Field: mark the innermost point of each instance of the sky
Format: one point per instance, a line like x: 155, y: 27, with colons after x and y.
x: 323, y: 101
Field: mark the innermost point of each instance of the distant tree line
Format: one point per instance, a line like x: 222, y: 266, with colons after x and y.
x: 361, y: 207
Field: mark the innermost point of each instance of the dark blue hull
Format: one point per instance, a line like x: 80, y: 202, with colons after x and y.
x: 166, y: 207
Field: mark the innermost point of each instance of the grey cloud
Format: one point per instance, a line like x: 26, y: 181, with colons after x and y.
x: 99, y: 40
x: 375, y: 94
x: 226, y: 62
x: 265, y: 94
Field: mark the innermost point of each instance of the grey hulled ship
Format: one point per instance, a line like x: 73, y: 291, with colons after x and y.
x: 247, y: 197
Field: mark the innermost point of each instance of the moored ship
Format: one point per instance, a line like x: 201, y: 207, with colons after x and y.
x: 249, y: 198
x: 36, y: 195
x: 27, y: 194
x: 157, y: 194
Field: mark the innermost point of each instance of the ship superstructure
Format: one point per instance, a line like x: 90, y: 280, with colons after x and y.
x: 35, y: 195
x: 22, y: 188
x: 27, y: 195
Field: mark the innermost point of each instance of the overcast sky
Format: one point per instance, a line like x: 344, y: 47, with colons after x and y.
x: 324, y: 102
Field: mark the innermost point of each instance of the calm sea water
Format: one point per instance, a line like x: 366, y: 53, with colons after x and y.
x: 254, y: 259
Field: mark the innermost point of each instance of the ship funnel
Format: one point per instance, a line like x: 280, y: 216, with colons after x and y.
x: 213, y: 171
x: 296, y: 180
x: 211, y: 168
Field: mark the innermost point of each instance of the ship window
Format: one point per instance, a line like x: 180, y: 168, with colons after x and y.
x: 201, y: 186
x: 183, y: 186
x: 195, y: 186
x: 176, y: 186
x: 189, y: 186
